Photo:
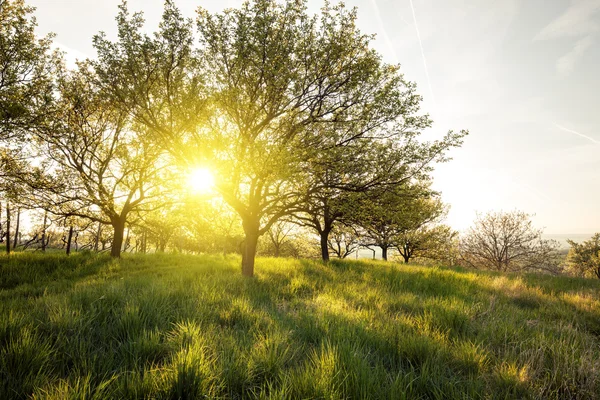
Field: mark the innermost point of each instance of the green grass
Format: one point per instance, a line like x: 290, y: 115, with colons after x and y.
x: 187, y: 327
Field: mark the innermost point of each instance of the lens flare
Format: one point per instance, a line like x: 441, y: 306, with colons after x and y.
x: 201, y: 180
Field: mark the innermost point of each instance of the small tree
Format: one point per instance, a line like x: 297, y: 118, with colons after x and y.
x: 507, y: 241
x: 584, y: 258
x: 388, y: 220
x: 343, y: 241
x: 431, y: 242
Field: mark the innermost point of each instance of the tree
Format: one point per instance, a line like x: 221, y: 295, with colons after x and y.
x: 254, y: 100
x: 343, y: 241
x: 507, y: 241
x: 389, y: 218
x: 432, y: 242
x: 289, y: 87
x: 584, y: 258
x: 95, y: 165
x: 26, y: 69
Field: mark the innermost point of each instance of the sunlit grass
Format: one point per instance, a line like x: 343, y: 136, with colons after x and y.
x: 175, y: 326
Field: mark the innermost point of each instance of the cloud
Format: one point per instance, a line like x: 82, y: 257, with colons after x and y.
x: 566, y: 63
x: 577, y: 20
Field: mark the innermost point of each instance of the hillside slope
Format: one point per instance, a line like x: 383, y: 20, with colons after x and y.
x: 172, y: 326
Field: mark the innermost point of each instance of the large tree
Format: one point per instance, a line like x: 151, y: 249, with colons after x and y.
x: 94, y: 163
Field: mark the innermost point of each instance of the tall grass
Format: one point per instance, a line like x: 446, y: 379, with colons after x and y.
x: 188, y: 327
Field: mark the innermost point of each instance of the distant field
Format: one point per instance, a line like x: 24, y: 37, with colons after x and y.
x: 562, y: 238
x: 186, y: 327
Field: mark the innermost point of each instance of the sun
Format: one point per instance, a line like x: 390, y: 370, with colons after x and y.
x: 201, y: 180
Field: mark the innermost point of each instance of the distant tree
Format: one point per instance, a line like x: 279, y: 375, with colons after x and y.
x: 343, y: 241
x: 584, y: 258
x: 279, y: 237
x: 507, y: 241
x: 389, y: 219
x: 431, y: 242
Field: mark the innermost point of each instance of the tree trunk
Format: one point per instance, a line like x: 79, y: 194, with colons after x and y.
x: 144, y: 241
x: 119, y: 232
x: 384, y: 251
x: 69, y: 238
x: 16, y: 241
x: 324, y: 247
x: 7, y: 227
x: 97, y: 241
x: 44, y: 232
x: 249, y: 253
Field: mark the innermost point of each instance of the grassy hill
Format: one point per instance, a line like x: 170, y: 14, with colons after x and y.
x: 172, y: 326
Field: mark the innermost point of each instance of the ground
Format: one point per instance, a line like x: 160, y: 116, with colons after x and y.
x: 184, y: 327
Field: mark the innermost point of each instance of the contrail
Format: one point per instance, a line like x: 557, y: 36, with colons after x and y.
x: 388, y: 42
x: 591, y: 139
x: 412, y: 7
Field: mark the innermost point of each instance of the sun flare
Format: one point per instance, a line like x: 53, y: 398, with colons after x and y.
x: 201, y: 180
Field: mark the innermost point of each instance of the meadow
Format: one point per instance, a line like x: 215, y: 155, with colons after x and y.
x: 167, y: 326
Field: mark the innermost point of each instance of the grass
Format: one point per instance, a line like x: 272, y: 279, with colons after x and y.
x: 188, y: 327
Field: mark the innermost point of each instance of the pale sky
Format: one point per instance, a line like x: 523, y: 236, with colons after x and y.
x: 521, y: 75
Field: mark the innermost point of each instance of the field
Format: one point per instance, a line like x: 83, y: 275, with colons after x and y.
x: 186, y: 327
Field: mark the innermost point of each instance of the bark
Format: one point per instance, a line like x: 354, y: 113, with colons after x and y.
x: 7, y: 228
x: 118, y: 225
x: 69, y: 238
x: 251, y: 231
x: 384, y: 251
x: 16, y: 241
x: 249, y: 254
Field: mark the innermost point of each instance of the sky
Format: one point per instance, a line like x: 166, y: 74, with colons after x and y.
x: 520, y: 75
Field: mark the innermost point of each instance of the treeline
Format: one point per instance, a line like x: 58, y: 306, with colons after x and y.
x: 312, y: 139
x: 297, y: 117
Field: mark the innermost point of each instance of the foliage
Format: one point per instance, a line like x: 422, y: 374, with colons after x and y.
x: 584, y: 258
x: 269, y: 99
x: 27, y: 66
x: 436, y: 242
x: 389, y: 219
x: 94, y: 164
x: 507, y: 241
x: 175, y: 326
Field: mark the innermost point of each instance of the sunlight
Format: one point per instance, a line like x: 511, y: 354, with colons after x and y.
x: 201, y: 180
